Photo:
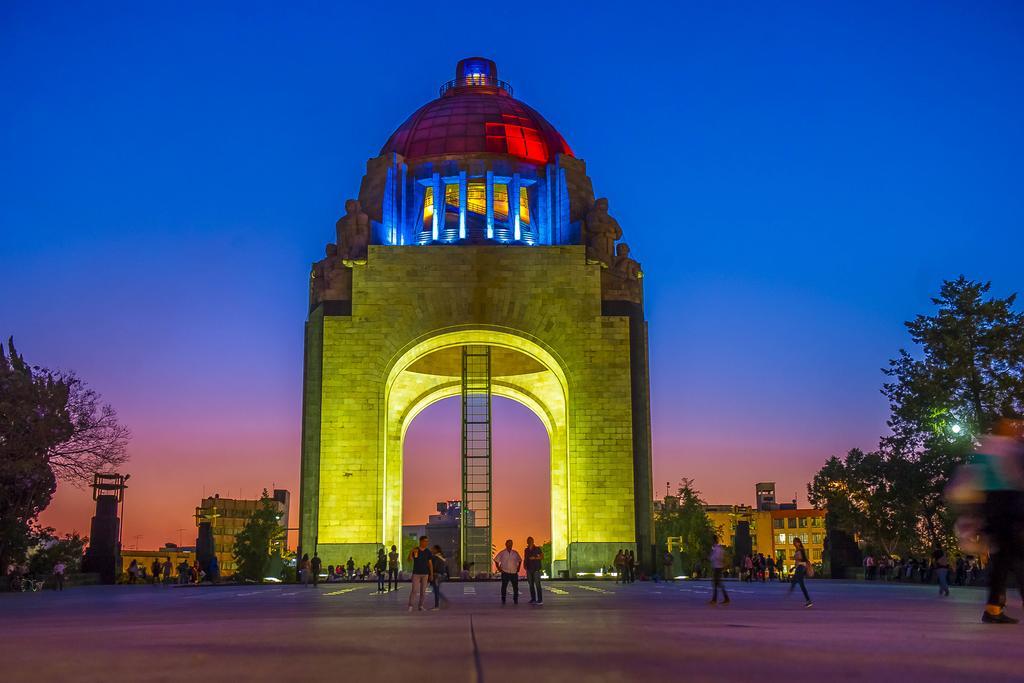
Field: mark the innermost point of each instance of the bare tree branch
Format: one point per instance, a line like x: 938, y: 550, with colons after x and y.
x: 98, y: 441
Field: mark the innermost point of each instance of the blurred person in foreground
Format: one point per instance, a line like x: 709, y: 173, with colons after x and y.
x: 989, y: 492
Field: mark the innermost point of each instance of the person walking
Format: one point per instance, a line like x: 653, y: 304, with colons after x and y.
x: 167, y: 569
x: 440, y: 567
x: 381, y: 567
x: 667, y: 562
x: 620, y: 566
x: 133, y: 571
x: 941, y: 563
x: 155, y: 569
x: 508, y: 563
x: 314, y: 567
x: 717, y: 560
x: 393, y: 567
x: 58, y: 575
x: 801, y: 569
x: 183, y: 573
x: 422, y: 573
x: 534, y: 557
x: 999, y: 467
x: 304, y: 572
x: 770, y: 563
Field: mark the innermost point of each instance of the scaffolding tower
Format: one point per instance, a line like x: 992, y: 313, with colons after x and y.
x: 475, y: 536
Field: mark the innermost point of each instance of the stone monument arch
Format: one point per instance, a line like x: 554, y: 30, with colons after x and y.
x: 476, y: 262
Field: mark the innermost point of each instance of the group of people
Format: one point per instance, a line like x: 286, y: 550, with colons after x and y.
x: 965, y: 571
x: 625, y: 566
x: 159, y: 573
x: 430, y: 567
x: 311, y: 570
x: 802, y: 569
x: 760, y: 568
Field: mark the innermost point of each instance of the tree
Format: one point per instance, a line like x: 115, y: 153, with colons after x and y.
x: 33, y: 420
x: 968, y: 373
x: 51, y: 550
x: 866, y: 493
x: 97, y: 442
x: 52, y: 427
x: 687, y: 520
x: 261, y: 535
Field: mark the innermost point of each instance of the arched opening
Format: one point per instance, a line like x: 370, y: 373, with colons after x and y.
x: 428, y: 371
x: 431, y: 474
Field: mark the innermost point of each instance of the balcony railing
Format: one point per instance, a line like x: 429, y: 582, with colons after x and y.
x: 474, y: 81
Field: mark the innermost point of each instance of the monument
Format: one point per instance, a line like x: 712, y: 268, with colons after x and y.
x: 477, y: 262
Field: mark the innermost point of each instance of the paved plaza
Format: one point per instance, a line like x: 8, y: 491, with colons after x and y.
x: 585, y: 631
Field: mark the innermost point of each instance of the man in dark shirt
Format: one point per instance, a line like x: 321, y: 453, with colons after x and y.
x: 533, y: 555
x: 314, y: 565
x: 422, y: 572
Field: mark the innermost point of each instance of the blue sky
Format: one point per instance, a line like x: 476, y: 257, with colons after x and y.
x: 796, y: 179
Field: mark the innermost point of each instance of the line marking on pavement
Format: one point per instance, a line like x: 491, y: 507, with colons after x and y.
x: 341, y: 592
x: 556, y: 591
x: 291, y: 593
x: 469, y: 590
x: 242, y: 595
x: 593, y: 589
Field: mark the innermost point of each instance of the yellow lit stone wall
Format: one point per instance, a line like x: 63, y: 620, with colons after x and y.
x: 409, y: 301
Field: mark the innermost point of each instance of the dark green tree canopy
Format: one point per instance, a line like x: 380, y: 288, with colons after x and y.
x: 967, y: 373
x: 52, y: 427
x: 261, y: 535
x: 689, y: 521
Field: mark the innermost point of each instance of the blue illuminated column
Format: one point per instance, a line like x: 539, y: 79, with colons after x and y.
x: 403, y: 225
x: 514, y: 207
x: 438, y: 205
x: 490, y: 204
x: 462, y: 205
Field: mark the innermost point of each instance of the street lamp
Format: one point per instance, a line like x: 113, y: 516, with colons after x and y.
x: 957, y: 429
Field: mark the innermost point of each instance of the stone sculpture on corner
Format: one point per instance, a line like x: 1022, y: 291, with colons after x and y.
x: 330, y: 279
x: 601, y: 233
x: 353, y: 234
x: 624, y: 263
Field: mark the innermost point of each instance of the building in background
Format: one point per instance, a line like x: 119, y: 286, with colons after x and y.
x: 170, y: 551
x: 769, y: 527
x: 220, y: 519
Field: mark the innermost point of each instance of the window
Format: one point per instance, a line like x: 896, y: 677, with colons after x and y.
x: 778, y: 523
x: 476, y: 198
x: 803, y: 522
x: 816, y: 521
x: 782, y: 538
x: 816, y: 538
x: 816, y: 555
x: 428, y: 208
x: 791, y: 522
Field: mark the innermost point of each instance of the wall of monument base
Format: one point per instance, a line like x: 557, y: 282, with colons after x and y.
x: 338, y: 553
x: 590, y: 557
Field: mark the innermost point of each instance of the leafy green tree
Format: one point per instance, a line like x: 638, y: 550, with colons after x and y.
x: 52, y: 550
x: 867, y: 493
x: 967, y: 374
x: 261, y: 535
x: 33, y: 420
x: 688, y: 520
x: 52, y: 427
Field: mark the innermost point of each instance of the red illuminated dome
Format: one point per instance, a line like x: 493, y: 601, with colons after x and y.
x: 476, y: 114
